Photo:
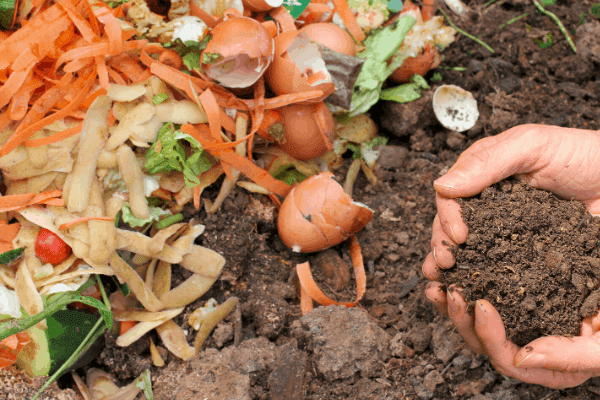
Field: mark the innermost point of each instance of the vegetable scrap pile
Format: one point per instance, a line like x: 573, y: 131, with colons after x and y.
x: 114, y: 117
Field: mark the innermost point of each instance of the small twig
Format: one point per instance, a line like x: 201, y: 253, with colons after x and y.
x: 465, y: 33
x: 557, y: 21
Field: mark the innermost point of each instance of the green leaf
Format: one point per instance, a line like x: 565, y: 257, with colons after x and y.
x: 135, y: 222
x: 11, y: 255
x: 288, y: 174
x: 377, y: 141
x: 172, y: 155
x: 380, y: 45
x: 66, y: 331
x: 191, y: 61
x: 595, y: 10
x: 209, y: 58
x: 159, y: 98
x: 7, y: 11
x: 11, y: 326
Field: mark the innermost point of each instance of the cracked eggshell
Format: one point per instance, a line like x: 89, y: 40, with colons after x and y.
x: 332, y: 36
x: 318, y: 214
x: 306, y: 138
x: 298, y: 66
x: 244, y: 51
x: 455, y: 108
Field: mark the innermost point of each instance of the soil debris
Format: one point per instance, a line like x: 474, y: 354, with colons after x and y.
x: 534, y: 256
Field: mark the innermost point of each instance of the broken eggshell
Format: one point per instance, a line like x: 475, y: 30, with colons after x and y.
x: 318, y: 214
x: 239, y: 52
x: 332, y: 36
x: 308, y: 130
x: 261, y: 5
x: 298, y: 66
x: 455, y: 108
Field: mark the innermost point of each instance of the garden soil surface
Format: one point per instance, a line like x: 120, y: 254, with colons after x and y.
x: 394, y: 345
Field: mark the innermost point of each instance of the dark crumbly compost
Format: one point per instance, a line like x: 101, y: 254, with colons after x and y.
x: 534, y: 256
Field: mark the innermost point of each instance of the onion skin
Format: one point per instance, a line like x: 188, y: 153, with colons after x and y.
x: 318, y: 214
x: 304, y: 138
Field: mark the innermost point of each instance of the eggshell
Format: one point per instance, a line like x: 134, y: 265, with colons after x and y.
x: 306, y: 138
x: 261, y: 5
x: 246, y: 50
x: 284, y: 76
x: 318, y: 214
x: 332, y: 36
x: 455, y: 108
x: 419, y: 65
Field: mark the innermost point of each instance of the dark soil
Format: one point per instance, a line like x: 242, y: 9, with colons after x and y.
x: 533, y: 256
x: 395, y: 345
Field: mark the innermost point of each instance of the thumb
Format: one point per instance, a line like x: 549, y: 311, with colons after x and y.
x: 489, y: 161
x: 559, y: 353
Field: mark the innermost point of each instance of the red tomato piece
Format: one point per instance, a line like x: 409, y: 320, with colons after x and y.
x: 50, y: 248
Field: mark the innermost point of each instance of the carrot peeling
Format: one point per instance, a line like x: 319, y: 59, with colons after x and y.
x: 308, y: 283
x: 345, y: 12
x: 76, y: 221
x: 17, y: 201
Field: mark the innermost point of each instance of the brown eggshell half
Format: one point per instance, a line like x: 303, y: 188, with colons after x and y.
x: 332, y: 36
x: 242, y: 41
x: 318, y: 214
x: 284, y: 76
x: 305, y: 138
x: 419, y: 65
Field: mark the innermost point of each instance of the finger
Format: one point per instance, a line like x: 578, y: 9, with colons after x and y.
x: 435, y: 292
x: 593, y: 207
x: 451, y: 219
x: 462, y: 319
x: 509, y: 153
x: 577, y: 354
x: 502, y: 352
x: 440, y: 245
x: 430, y: 268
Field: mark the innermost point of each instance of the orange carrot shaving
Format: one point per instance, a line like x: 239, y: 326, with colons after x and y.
x: 306, y: 302
x: 345, y: 12
x: 36, y: 124
x: 197, y: 193
x: 320, y: 119
x: 17, y: 201
x: 57, y: 137
x: 270, y: 27
x: 76, y: 221
x: 208, y: 19
x: 171, y: 58
x: 314, y: 292
x: 228, y: 157
x: 125, y: 326
x: 6, y: 246
x: 126, y: 65
x: 111, y: 28
x: 102, y: 72
x: 286, y: 99
x: 115, y: 76
x: 9, y: 232
x: 20, y: 101
x: 82, y: 24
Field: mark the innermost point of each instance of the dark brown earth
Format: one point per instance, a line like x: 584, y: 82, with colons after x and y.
x: 394, y: 345
x: 533, y: 256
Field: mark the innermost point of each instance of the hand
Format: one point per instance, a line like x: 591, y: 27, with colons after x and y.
x: 562, y: 160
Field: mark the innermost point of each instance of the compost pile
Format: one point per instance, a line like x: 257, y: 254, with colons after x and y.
x: 534, y: 256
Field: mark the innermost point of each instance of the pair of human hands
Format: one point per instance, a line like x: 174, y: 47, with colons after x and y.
x: 564, y: 161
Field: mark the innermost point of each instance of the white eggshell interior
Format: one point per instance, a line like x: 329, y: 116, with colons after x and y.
x: 455, y: 108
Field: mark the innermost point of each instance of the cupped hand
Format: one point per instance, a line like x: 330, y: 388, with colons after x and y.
x: 564, y: 161
x: 552, y: 361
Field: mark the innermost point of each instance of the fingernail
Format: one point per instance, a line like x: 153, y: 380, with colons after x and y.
x: 533, y: 360
x: 482, y: 319
x: 448, y: 229
x: 445, y: 181
x: 452, y: 304
x: 435, y: 258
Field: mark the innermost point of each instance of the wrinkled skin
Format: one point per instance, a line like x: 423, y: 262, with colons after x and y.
x: 564, y: 161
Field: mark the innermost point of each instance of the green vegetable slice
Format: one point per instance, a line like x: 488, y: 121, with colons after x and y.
x: 7, y: 13
x: 11, y: 255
